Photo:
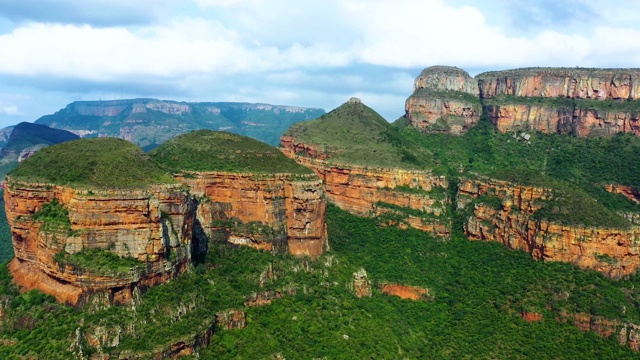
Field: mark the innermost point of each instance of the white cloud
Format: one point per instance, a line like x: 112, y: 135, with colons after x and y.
x: 9, y: 110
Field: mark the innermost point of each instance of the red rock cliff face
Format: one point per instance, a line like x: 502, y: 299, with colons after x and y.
x: 369, y: 192
x: 439, y: 104
x: 614, y: 252
x: 147, y: 225
x: 273, y: 212
x: 597, y: 84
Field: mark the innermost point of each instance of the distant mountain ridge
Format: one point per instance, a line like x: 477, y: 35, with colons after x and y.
x: 150, y: 122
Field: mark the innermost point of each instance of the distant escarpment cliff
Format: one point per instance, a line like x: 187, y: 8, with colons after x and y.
x: 369, y: 170
x: 584, y: 102
x: 150, y: 122
x: 97, y: 221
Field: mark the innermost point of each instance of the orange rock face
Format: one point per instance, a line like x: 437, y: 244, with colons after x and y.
x: 406, y: 292
x: 614, y: 252
x: 146, y: 224
x: 627, y: 191
x: 362, y: 191
x: 271, y: 212
x: 626, y: 333
x: 598, y: 84
x: 430, y: 114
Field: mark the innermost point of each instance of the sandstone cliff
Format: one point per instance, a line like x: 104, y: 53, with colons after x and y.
x: 278, y: 212
x: 554, y: 100
x: 150, y: 225
x: 445, y: 99
x: 509, y: 219
x: 405, y: 197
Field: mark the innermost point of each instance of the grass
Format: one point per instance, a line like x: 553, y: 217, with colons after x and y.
x: 102, y: 162
x: 562, y: 103
x: 99, y: 261
x: 355, y: 134
x: 207, y: 150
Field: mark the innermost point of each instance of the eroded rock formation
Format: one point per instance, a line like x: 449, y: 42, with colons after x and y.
x: 406, y: 291
x: 275, y: 212
x: 445, y: 99
x: 614, y: 252
x: 152, y: 225
x: 417, y: 197
x: 554, y: 100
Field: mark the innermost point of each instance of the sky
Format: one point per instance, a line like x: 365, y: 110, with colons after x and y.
x: 288, y: 52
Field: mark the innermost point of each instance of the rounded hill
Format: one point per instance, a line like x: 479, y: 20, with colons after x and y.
x: 101, y: 162
x: 208, y: 150
x: 353, y: 133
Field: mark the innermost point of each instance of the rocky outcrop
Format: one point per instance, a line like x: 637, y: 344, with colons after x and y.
x: 406, y: 292
x: 151, y: 225
x: 509, y: 220
x: 629, y: 192
x: 275, y: 212
x: 411, y: 197
x: 361, y: 284
x: 627, y: 334
x: 445, y: 99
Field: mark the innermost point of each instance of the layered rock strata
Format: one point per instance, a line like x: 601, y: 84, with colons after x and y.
x: 584, y: 102
x: 275, y: 212
x: 418, y: 197
x: 151, y: 225
x: 614, y: 252
x: 445, y: 99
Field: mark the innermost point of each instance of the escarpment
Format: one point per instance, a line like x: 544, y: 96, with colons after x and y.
x: 366, y: 170
x: 248, y: 193
x: 506, y: 212
x: 576, y: 101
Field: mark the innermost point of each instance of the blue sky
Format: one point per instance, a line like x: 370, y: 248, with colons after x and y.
x: 306, y: 53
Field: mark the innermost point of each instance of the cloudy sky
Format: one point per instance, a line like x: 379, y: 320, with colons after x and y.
x: 307, y: 53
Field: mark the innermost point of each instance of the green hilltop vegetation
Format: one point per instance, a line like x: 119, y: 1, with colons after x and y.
x: 355, y: 134
x: 101, y: 162
x: 207, y: 150
x: 156, y: 121
x: 575, y: 167
x: 480, y: 289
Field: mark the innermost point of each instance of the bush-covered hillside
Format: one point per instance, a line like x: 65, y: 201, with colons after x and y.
x: 355, y: 134
x: 102, y: 162
x: 207, y: 150
x: 480, y: 291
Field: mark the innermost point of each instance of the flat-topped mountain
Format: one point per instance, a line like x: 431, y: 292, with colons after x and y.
x: 95, y: 221
x: 150, y: 122
x: 251, y: 194
x: 576, y: 101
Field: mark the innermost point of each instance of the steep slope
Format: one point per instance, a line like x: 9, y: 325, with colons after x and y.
x: 249, y: 192
x: 27, y: 138
x: 369, y: 169
x: 96, y: 221
x: 149, y: 122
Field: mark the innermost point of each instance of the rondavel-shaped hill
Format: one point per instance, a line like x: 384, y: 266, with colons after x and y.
x: 98, y: 220
x: 248, y: 192
x: 370, y: 169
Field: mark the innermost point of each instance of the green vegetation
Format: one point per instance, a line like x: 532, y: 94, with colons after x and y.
x: 448, y: 95
x: 102, y: 162
x: 98, y: 261
x: 54, y: 217
x: 6, y: 247
x: 25, y: 135
x: 207, y: 150
x: 480, y: 289
x: 567, y: 104
x: 355, y: 134
x: 574, y: 167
